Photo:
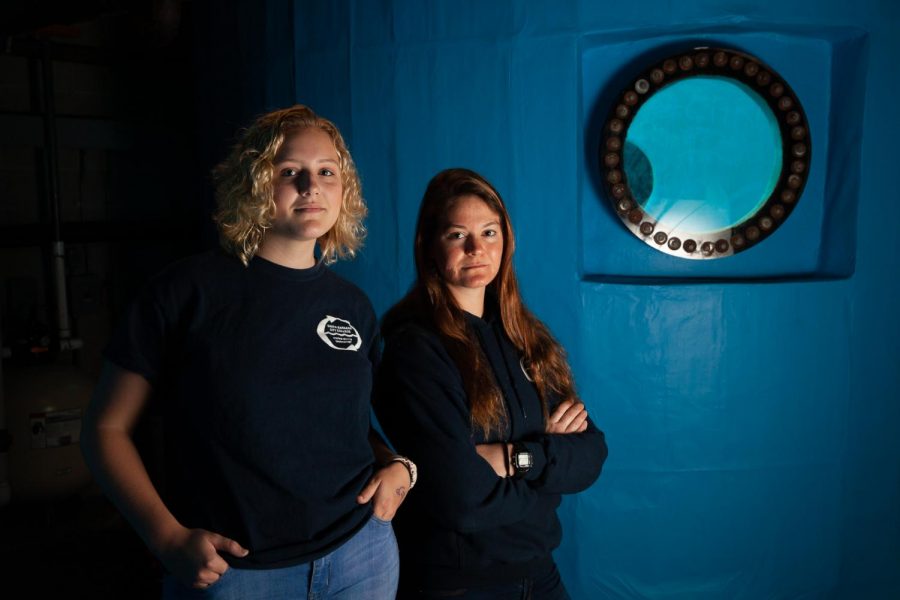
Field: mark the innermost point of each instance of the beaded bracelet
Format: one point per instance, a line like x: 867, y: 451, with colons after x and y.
x: 410, y: 466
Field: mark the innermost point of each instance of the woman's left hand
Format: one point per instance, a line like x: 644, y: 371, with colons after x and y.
x: 386, y: 490
x: 569, y: 417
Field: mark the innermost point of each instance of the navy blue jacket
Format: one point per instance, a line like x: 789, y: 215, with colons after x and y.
x: 462, y: 524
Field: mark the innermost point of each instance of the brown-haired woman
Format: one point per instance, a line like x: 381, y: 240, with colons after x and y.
x: 476, y: 390
x: 260, y: 358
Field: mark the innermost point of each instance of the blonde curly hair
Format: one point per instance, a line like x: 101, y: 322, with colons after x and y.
x: 245, y: 192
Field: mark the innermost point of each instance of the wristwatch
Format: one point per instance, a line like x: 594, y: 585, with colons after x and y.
x: 522, y: 460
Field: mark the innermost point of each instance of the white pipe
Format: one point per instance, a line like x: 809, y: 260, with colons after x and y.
x: 66, y: 341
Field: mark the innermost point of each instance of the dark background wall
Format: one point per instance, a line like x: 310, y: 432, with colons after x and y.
x: 144, y: 98
x: 750, y: 404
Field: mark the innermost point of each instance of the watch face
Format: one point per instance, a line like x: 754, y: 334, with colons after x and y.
x: 523, y: 460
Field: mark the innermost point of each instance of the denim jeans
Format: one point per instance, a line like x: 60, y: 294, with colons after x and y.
x: 365, y: 567
x: 539, y: 586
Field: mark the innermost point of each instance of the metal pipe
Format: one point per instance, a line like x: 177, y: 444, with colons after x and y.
x: 51, y: 167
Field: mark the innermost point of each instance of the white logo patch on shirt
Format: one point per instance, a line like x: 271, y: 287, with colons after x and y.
x: 339, y: 333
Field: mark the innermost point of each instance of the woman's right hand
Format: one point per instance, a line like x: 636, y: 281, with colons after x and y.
x: 193, y: 557
x: 569, y: 417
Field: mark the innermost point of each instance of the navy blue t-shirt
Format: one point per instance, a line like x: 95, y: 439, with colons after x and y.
x: 264, y: 374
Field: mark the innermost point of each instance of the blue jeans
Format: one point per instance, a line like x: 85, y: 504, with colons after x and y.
x: 365, y: 567
x: 538, y: 586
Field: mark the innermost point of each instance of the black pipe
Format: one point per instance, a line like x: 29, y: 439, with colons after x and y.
x: 51, y: 151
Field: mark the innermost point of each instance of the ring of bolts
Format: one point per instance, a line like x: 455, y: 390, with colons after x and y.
x: 795, y: 148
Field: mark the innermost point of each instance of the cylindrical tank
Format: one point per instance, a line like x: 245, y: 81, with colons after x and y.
x: 45, y: 404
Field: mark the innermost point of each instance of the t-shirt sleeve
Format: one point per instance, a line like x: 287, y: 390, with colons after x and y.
x: 139, y: 339
x: 420, y: 401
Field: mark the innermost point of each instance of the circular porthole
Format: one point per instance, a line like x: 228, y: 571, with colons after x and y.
x: 706, y: 153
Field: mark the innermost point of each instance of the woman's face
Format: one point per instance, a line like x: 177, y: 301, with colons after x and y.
x: 469, y: 246
x: 307, y: 186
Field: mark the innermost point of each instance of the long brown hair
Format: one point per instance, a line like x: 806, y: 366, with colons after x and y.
x: 430, y: 300
x: 244, y: 188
